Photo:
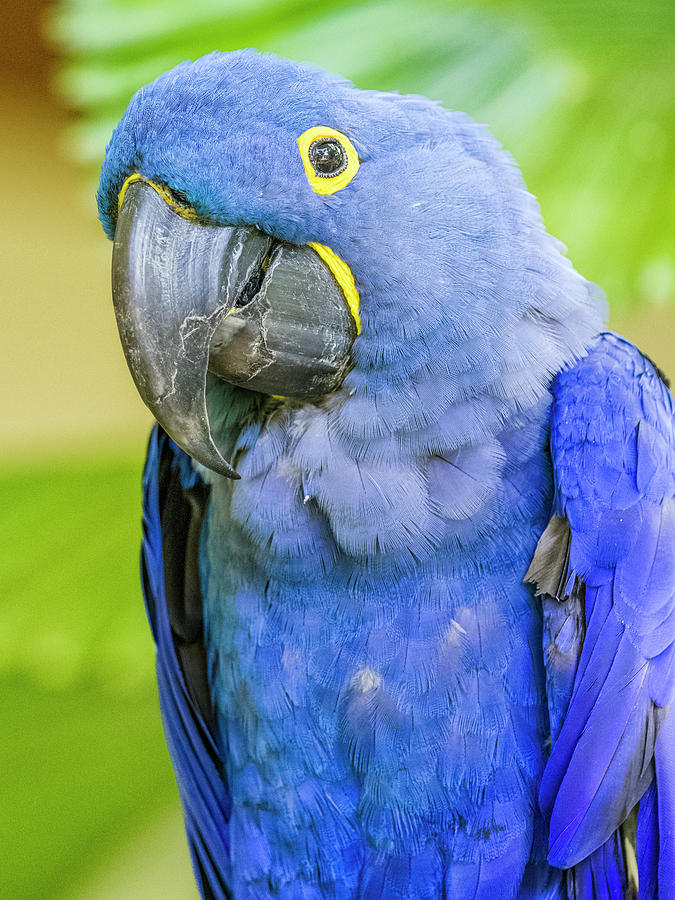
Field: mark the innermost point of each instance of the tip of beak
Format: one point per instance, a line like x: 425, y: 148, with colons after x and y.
x: 207, y: 454
x: 230, y: 473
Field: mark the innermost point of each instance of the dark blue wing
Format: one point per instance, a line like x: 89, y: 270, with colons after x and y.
x: 174, y: 500
x: 606, y: 565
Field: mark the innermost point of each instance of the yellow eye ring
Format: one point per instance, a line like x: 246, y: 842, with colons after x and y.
x: 323, y: 139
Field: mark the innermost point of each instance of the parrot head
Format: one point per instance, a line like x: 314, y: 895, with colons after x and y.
x: 279, y: 230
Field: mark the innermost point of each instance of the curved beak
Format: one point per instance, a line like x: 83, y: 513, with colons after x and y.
x: 193, y: 298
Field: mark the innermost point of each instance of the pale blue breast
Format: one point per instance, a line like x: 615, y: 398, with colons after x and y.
x: 377, y: 660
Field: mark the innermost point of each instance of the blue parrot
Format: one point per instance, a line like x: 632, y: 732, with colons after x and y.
x: 409, y: 510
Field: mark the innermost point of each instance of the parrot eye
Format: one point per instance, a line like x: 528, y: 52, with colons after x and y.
x: 329, y: 158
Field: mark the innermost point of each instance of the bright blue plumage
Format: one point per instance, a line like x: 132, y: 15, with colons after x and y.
x: 613, y: 447
x: 195, y: 758
x: 382, y: 705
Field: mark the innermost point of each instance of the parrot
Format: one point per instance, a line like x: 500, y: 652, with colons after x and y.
x: 408, y: 549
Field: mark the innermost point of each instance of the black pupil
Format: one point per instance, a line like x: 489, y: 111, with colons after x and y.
x: 327, y: 157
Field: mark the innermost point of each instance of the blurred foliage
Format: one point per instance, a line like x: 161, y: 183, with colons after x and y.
x: 72, y: 522
x: 83, y: 739
x: 580, y: 93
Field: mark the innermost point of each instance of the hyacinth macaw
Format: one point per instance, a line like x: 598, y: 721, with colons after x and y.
x: 409, y: 517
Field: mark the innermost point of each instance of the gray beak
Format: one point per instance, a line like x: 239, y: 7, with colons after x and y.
x: 193, y: 298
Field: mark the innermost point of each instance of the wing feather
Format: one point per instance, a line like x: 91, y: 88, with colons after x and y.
x: 610, y: 678
x: 173, y: 503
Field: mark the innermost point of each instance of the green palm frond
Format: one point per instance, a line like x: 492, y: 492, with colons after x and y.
x: 581, y: 94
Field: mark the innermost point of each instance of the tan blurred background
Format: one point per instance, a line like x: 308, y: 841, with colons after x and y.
x: 89, y: 809
x: 91, y: 804
x: 64, y: 379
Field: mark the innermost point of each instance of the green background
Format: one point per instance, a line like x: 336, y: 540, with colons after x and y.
x: 580, y: 93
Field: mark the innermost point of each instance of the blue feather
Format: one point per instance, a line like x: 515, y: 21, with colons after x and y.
x: 195, y: 755
x: 647, y: 839
x: 620, y: 511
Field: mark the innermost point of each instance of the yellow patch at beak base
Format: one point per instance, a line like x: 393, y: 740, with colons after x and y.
x: 343, y: 275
